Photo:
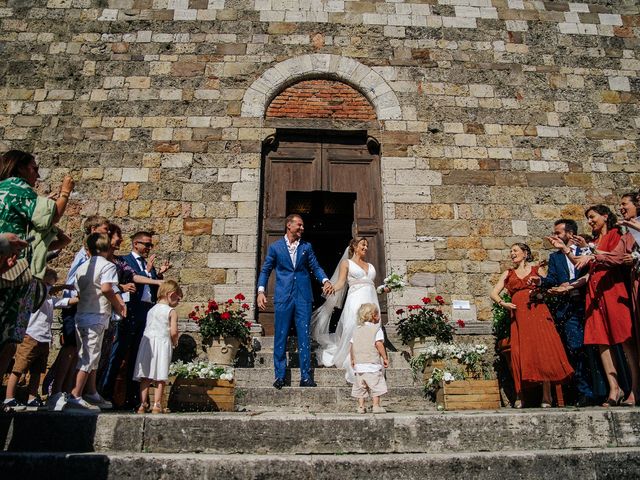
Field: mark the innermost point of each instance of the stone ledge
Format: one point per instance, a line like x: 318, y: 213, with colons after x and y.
x: 560, y: 464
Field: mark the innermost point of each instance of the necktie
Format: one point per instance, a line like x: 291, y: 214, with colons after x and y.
x: 143, y: 263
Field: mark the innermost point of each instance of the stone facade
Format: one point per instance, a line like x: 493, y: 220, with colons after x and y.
x: 494, y: 117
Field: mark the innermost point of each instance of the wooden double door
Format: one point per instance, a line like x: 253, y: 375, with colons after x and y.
x: 333, y: 181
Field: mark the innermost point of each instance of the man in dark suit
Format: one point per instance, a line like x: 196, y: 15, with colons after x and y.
x: 569, y: 312
x: 294, y: 262
x: 129, y: 331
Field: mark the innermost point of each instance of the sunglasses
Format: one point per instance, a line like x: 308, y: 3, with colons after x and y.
x: 146, y: 244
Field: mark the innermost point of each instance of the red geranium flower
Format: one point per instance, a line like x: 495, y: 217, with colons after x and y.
x: 240, y: 297
x: 225, y: 315
x: 440, y: 300
x: 460, y: 323
x: 426, y: 300
x: 245, y: 306
x: 400, y: 311
x: 230, y: 301
x: 213, y: 305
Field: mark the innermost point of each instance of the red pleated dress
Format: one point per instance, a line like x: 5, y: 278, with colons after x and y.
x: 537, y: 353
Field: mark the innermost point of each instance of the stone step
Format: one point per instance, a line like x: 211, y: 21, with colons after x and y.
x: 324, y: 377
x: 266, y: 343
x: 265, y: 359
x: 325, y: 399
x: 601, y: 463
x: 280, y: 433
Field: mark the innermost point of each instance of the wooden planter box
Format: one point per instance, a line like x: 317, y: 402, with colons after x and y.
x: 469, y: 395
x: 202, y: 395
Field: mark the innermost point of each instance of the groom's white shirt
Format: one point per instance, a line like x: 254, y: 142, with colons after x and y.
x: 293, y: 254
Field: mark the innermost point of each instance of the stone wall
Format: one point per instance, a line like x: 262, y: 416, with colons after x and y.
x: 494, y: 116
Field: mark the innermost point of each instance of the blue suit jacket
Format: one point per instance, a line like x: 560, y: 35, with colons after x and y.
x: 292, y: 284
x: 558, y: 271
x: 135, y: 298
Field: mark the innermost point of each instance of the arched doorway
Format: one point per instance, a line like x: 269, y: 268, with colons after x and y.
x: 332, y: 179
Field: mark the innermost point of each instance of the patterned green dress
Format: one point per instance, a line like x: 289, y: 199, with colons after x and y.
x: 21, y: 211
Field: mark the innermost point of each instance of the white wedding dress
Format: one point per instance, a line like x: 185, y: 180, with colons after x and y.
x: 333, y: 348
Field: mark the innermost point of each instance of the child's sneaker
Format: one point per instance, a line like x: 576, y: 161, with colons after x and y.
x: 35, y: 404
x: 57, y: 402
x: 14, y: 406
x: 378, y: 409
x: 81, y: 404
x: 97, y: 400
x: 361, y: 410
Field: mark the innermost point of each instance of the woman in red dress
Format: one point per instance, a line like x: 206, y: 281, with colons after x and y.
x: 608, y: 306
x: 537, y: 354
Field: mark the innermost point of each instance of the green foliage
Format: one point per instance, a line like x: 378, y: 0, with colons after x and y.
x: 501, y: 322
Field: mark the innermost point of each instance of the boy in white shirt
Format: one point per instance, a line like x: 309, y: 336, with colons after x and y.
x: 368, y: 356
x: 96, y: 282
x: 32, y: 354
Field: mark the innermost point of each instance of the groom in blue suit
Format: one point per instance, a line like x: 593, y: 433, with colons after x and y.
x: 294, y: 262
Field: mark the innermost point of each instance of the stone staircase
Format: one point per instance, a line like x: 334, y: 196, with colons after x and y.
x: 531, y: 444
x: 255, y: 393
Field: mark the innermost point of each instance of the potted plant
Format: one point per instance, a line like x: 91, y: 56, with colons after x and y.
x: 224, y: 328
x: 460, y: 376
x: 420, y: 325
x: 201, y: 386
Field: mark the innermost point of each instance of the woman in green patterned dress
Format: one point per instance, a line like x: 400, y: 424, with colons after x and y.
x: 26, y: 214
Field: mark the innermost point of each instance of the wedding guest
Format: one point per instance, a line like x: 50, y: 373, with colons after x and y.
x: 24, y: 213
x: 129, y: 331
x: 537, y: 354
x: 608, y: 313
x: 61, y: 375
x: 32, y: 354
x: 159, y: 339
x: 95, y: 282
x: 368, y: 358
x: 569, y: 309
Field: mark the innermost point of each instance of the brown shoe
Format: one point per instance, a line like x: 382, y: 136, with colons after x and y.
x: 143, y: 408
x: 157, y: 408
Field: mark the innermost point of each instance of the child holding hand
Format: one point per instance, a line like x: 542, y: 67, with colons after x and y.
x: 368, y: 357
x: 156, y: 347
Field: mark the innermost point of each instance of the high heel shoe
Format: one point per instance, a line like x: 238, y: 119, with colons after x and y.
x: 627, y: 403
x: 611, y: 402
x: 545, y: 405
x: 517, y: 404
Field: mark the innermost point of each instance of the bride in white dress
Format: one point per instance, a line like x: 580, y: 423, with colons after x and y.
x: 359, y: 275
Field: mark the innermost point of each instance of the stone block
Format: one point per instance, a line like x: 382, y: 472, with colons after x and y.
x: 197, y: 226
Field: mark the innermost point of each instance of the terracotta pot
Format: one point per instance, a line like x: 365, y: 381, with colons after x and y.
x: 223, y: 350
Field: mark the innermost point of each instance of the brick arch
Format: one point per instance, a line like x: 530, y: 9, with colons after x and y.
x: 321, y: 99
x: 321, y: 66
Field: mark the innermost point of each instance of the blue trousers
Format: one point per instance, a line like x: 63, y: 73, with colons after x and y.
x: 300, y: 313
x: 570, y: 321
x: 127, y: 340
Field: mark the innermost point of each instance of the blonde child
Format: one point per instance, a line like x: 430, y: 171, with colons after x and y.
x: 96, y: 281
x: 368, y: 356
x: 159, y: 338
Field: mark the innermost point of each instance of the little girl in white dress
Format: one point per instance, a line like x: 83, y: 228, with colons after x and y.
x: 156, y: 347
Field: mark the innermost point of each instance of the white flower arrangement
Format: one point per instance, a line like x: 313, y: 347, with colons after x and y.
x: 393, y: 281
x: 200, y: 370
x: 460, y: 361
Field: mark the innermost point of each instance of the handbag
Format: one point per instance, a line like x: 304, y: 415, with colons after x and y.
x: 16, y: 276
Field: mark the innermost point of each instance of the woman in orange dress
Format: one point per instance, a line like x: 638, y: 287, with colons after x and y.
x: 537, y: 354
x: 608, y: 305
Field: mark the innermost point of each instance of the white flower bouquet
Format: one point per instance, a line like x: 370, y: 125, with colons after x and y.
x: 200, y: 370
x: 393, y: 281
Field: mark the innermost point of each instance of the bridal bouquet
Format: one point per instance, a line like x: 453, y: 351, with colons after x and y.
x: 393, y: 282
